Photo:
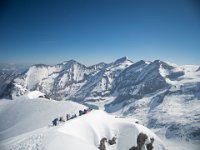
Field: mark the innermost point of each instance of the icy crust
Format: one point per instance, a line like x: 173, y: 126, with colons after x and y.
x: 29, y: 128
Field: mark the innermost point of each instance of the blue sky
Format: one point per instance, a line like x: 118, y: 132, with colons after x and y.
x: 92, y: 31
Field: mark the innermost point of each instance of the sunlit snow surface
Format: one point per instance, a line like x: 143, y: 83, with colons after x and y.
x: 26, y: 124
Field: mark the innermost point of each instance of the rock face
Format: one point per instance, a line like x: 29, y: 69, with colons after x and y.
x: 157, y: 93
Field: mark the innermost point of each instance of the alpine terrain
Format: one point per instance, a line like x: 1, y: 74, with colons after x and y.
x: 162, y: 96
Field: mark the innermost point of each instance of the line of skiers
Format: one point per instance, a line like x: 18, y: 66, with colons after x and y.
x: 61, y: 119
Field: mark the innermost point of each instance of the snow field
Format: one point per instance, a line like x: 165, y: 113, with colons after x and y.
x: 26, y: 125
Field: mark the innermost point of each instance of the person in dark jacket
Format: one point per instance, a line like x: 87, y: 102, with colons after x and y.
x: 85, y: 111
x: 89, y: 109
x: 73, y: 116
x: 67, y: 117
x: 80, y: 112
x: 55, y: 122
x: 62, y: 119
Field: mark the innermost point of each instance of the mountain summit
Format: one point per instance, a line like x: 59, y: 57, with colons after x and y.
x: 122, y: 60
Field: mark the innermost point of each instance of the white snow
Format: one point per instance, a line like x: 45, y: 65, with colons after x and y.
x: 175, y: 109
x: 26, y: 124
x: 24, y: 115
x: 34, y: 94
x: 191, y: 75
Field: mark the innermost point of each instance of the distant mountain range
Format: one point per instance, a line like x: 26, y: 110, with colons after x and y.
x: 162, y: 95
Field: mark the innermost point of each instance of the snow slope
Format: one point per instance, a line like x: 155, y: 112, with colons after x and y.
x: 25, y: 124
x: 25, y: 115
x: 91, y: 128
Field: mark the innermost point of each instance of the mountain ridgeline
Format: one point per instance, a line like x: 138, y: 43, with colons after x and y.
x: 122, y: 79
x: 68, y: 80
x: 160, y: 94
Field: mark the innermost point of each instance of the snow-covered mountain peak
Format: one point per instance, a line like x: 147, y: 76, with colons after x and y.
x: 97, y: 66
x: 163, y: 64
x: 123, y: 60
x: 140, y: 63
x: 70, y: 63
x: 166, y: 70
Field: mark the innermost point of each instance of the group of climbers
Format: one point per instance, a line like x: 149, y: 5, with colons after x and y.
x: 85, y: 111
x: 61, y: 119
x: 57, y: 121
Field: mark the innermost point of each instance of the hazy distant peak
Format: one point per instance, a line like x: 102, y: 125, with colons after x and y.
x: 122, y: 60
x: 141, y: 62
x: 68, y: 61
x: 71, y: 62
x: 98, y: 66
x: 165, y: 65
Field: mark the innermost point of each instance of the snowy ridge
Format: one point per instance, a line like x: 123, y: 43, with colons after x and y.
x: 30, y: 127
x: 25, y: 115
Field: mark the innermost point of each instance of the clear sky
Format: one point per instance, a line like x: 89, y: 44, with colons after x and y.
x: 91, y: 31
